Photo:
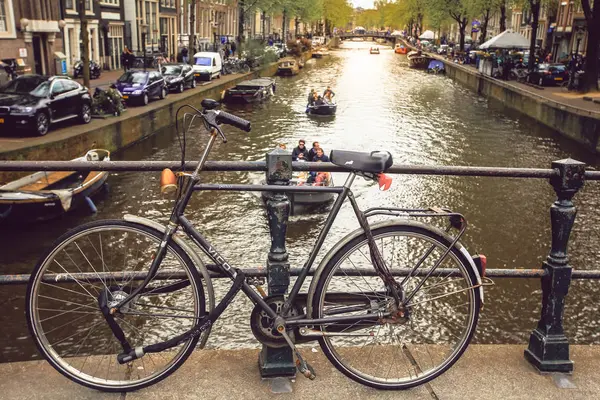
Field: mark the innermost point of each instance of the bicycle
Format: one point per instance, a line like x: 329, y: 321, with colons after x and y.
x: 119, y: 305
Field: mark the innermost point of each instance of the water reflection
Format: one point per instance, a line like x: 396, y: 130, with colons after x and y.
x: 382, y: 105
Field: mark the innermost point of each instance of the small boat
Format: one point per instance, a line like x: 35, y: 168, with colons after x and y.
x: 250, y: 91
x: 320, y: 53
x: 288, y: 66
x: 307, y: 198
x: 374, y: 50
x: 416, y: 59
x: 400, y: 49
x: 436, y: 67
x: 45, y: 195
x: 322, y: 109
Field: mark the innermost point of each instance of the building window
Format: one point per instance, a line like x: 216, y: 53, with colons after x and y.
x: 7, y: 21
x: 110, y: 2
x: 116, y: 45
x: 69, y: 4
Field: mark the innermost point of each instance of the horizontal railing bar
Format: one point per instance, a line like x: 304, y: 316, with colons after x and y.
x: 260, y: 166
x: 21, y: 279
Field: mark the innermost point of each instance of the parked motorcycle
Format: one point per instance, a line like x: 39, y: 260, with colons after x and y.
x: 95, y: 70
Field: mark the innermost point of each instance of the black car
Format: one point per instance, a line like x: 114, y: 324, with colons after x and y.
x: 178, y: 76
x: 549, y: 74
x: 33, y: 102
x: 137, y: 86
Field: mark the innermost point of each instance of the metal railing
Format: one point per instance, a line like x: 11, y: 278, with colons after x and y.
x: 548, y: 348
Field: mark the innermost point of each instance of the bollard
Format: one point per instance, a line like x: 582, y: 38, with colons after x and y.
x: 548, y: 348
x: 277, y: 362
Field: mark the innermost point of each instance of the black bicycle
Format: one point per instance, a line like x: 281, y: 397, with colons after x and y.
x: 118, y: 305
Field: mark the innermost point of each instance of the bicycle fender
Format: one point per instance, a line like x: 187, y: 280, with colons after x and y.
x: 192, y: 254
x: 394, y: 222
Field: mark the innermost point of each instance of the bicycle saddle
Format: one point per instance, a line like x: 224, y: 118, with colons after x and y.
x: 376, y: 161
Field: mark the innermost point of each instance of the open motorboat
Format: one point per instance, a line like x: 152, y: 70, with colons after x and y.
x: 322, y: 109
x: 374, y: 50
x: 49, y: 194
x: 400, y: 49
x: 250, y: 91
x: 288, y: 66
x: 304, y: 178
x: 416, y: 59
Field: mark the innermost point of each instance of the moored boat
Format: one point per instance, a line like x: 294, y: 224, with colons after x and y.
x: 436, y: 67
x: 400, y: 49
x: 250, y: 91
x: 320, y: 53
x: 288, y: 66
x: 322, y: 109
x: 49, y: 194
x: 308, y: 198
x: 416, y: 59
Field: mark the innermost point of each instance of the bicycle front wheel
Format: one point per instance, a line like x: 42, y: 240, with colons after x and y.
x: 112, y: 257
x: 439, y: 321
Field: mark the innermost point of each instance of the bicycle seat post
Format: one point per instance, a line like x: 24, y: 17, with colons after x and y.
x: 278, y: 362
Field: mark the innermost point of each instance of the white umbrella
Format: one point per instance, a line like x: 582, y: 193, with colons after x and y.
x: 507, y: 40
x: 396, y: 33
x: 427, y: 35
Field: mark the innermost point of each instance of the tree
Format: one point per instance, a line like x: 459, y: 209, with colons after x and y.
x: 337, y: 12
x: 534, y: 7
x: 592, y: 17
x: 459, y: 11
x: 85, y: 38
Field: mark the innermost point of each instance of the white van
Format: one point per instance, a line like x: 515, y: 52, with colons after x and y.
x: 207, y: 65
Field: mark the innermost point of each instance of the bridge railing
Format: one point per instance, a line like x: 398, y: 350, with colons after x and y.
x: 548, y: 348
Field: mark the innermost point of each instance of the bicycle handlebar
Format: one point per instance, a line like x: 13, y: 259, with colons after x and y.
x: 223, y: 117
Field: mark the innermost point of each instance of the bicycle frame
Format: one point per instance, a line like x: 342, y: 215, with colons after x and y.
x: 178, y: 219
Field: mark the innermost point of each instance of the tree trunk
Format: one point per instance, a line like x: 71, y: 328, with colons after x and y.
x: 502, y: 17
x: 410, y: 27
x: 461, y: 26
x: 297, y: 26
x: 241, y: 19
x: 283, y: 28
x: 483, y: 32
x: 535, y: 13
x: 591, y: 52
x: 264, y: 22
x: 85, y: 38
x: 192, y: 35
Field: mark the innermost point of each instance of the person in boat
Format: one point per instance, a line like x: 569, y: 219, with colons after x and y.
x: 320, y: 101
x: 300, y: 150
x: 320, y: 156
x: 313, y: 152
x: 311, y: 97
x: 328, y: 94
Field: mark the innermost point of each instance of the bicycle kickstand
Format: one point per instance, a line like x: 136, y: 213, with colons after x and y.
x: 303, y: 366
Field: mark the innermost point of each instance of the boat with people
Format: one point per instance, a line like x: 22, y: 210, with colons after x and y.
x: 374, y: 50
x: 416, y: 59
x: 46, y: 195
x: 321, y: 105
x: 400, y: 49
x: 250, y: 91
x: 436, y: 67
x: 288, y: 66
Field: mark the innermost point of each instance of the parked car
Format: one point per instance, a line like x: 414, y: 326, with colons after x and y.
x: 137, y: 86
x: 178, y: 76
x: 34, y: 102
x: 207, y: 65
x: 548, y: 74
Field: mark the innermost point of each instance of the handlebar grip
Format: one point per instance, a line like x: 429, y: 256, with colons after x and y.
x: 230, y: 119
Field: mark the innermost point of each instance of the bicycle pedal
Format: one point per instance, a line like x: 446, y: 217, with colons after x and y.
x: 306, y: 369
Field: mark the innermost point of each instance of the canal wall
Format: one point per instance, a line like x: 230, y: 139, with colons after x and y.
x: 572, y: 122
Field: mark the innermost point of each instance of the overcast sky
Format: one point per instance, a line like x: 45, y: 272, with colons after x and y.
x: 363, y: 3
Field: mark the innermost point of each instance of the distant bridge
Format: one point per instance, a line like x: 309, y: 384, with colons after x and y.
x: 351, y: 35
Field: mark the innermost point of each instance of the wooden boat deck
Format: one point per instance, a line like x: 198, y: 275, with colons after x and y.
x: 50, y: 179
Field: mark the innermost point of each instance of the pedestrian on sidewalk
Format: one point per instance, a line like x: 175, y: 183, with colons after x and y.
x: 233, y: 49
x: 125, y: 59
x: 184, y: 55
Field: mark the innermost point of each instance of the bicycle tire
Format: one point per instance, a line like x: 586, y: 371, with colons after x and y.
x: 245, y: 69
x: 141, y: 327
x: 403, y: 352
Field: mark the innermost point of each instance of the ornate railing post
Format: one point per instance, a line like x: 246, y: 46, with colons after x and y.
x: 548, y: 348
x: 276, y: 362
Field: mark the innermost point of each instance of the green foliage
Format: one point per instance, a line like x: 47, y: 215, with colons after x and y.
x: 107, y: 102
x: 338, y: 12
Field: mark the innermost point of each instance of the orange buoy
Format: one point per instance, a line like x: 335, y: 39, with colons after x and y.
x: 168, y: 181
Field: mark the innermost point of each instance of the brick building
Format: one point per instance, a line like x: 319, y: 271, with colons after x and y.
x: 30, y: 33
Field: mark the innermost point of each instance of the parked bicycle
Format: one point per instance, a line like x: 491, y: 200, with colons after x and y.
x: 235, y: 66
x: 119, y: 305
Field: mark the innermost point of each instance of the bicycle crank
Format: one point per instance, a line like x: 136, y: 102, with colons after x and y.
x: 303, y: 366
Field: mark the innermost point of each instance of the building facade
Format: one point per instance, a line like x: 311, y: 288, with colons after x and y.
x: 215, y: 21
x: 569, y: 33
x: 30, y: 34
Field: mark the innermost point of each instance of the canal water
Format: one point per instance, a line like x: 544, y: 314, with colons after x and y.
x: 382, y: 105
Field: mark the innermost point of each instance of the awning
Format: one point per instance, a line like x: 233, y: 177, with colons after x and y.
x: 507, y: 40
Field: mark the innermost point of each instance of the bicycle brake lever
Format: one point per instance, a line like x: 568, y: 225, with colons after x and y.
x: 221, y: 133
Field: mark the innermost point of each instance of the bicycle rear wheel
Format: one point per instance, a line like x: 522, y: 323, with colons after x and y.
x: 113, y: 256
x: 439, y: 322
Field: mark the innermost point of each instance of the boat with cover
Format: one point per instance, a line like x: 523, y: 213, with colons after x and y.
x: 250, y: 91
x: 49, y: 194
x: 416, y: 59
x: 436, y: 67
x: 288, y: 66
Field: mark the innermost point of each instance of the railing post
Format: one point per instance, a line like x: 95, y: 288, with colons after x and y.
x: 548, y: 348
x: 276, y: 362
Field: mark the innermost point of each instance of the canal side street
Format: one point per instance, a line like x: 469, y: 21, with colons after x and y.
x: 484, y: 372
